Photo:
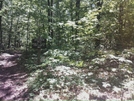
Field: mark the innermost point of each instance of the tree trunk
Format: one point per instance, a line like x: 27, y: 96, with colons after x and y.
x: 97, y: 40
x: 76, y: 19
x: 71, y: 16
x: 10, y: 33
x: 99, y: 5
x: 77, y: 9
x: 119, y: 41
x: 11, y: 26
x: 27, y: 44
x: 1, y: 24
x: 50, y: 20
x: 58, y: 35
x: 16, y: 40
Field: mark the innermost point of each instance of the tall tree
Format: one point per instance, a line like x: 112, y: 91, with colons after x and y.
x: 50, y: 17
x: 11, y: 25
x: 99, y: 6
x: 76, y: 19
x: 1, y: 2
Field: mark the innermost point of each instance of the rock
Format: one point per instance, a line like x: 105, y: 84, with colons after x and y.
x: 83, y: 96
x: 55, y: 96
x: 65, y: 70
x: 4, y: 56
x: 125, y: 60
x: 120, y: 59
x: 2, y: 63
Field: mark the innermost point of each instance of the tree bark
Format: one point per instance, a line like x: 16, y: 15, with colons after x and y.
x: 27, y: 44
x: 97, y: 40
x: 11, y: 26
x: 77, y: 9
x: 10, y: 32
x: 50, y: 20
x: 1, y: 2
x: 77, y: 15
x: 119, y: 41
x: 16, y: 40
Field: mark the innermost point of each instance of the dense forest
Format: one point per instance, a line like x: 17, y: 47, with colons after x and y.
x: 79, y: 25
x: 69, y: 49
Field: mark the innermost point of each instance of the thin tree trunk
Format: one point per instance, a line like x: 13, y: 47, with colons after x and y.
x: 58, y: 35
x: 77, y: 10
x: 99, y: 5
x: 97, y: 40
x: 50, y: 20
x: 1, y: 24
x: 10, y: 29
x: 71, y: 16
x: 16, y: 41
x: 77, y: 18
x: 52, y: 34
x: 10, y: 33
x: 49, y: 29
x: 27, y: 44
x: 120, y: 30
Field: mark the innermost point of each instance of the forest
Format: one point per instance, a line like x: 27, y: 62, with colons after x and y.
x: 66, y: 50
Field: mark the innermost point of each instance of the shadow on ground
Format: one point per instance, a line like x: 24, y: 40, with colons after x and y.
x: 12, y: 78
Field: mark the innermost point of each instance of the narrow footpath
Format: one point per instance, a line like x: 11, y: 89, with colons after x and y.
x: 12, y: 78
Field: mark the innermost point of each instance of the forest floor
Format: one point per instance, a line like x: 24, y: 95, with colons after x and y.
x: 12, y: 78
x: 110, y: 78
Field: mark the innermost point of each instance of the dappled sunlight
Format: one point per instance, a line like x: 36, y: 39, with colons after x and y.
x: 79, y: 86
x: 12, y: 79
x: 106, y: 79
x: 66, y: 50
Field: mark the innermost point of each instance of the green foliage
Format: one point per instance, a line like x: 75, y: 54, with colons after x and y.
x: 73, y: 27
x: 115, y: 19
x: 78, y: 35
x: 108, y: 71
x: 54, y: 58
x: 60, y: 57
x: 48, y: 80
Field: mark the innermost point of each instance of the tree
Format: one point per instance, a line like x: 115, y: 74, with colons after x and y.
x: 116, y: 17
x: 50, y: 18
x: 1, y: 2
x: 75, y: 25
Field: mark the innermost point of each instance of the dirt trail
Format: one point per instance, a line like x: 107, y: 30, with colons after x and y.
x: 12, y: 78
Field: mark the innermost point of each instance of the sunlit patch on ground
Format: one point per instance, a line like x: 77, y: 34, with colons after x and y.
x: 80, y: 84
x: 106, y: 79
